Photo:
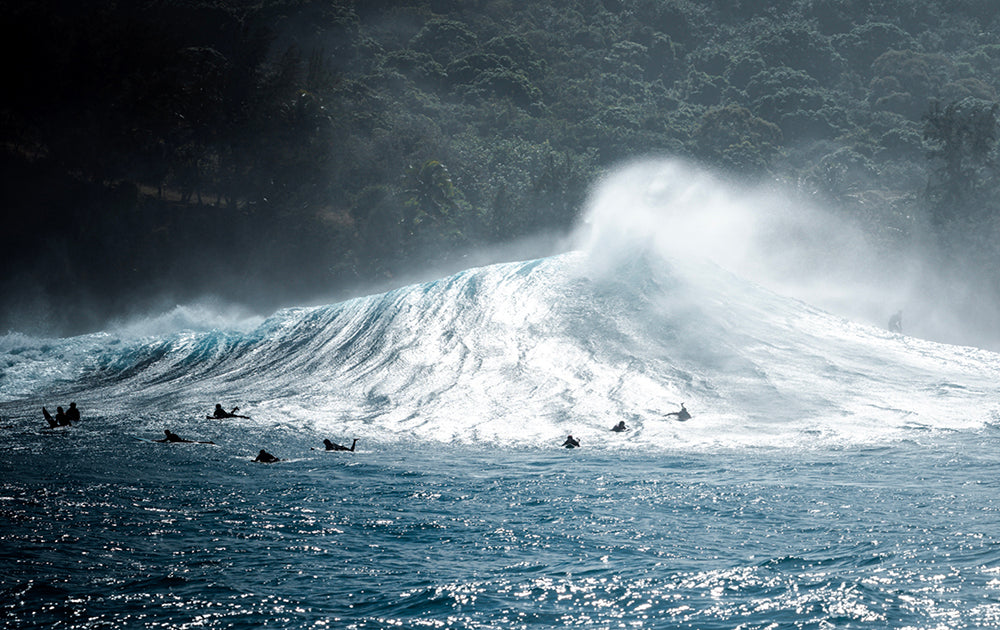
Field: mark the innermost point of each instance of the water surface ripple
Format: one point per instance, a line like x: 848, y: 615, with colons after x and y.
x: 115, y: 534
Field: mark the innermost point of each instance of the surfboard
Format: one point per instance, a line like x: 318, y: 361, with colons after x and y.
x: 142, y: 439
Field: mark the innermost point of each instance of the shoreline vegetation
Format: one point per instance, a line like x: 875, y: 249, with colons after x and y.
x: 156, y: 152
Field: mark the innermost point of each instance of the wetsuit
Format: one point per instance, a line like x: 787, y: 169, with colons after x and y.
x: 266, y: 457
x: 333, y: 446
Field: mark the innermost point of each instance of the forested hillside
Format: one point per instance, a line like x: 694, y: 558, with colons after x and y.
x: 266, y: 151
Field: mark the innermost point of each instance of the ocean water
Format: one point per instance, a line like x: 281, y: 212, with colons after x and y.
x: 833, y: 475
x: 104, y: 534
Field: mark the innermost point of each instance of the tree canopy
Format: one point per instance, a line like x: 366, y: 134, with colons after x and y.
x: 218, y: 146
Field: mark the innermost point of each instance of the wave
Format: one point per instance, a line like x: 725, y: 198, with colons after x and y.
x: 522, y: 353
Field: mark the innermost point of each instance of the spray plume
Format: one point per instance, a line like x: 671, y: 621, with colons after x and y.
x: 675, y: 210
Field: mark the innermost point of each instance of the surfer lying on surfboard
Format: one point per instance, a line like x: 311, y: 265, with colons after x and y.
x: 173, y: 437
x: 333, y: 446
x: 222, y: 413
x: 682, y: 414
x: 266, y: 458
x: 571, y: 442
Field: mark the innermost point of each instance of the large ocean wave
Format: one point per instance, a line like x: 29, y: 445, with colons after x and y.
x: 627, y: 327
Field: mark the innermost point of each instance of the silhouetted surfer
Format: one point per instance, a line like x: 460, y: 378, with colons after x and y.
x: 61, y: 418
x: 221, y: 413
x: 73, y: 414
x: 571, y: 442
x: 48, y: 418
x: 618, y: 428
x: 333, y: 446
x: 265, y: 457
x: 173, y: 437
x: 682, y: 414
x: 896, y: 322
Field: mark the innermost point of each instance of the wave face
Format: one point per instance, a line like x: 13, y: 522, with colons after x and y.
x: 524, y: 353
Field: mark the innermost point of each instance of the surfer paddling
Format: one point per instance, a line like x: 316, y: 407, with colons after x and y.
x: 333, y: 446
x: 221, y: 413
x: 571, y: 442
x: 682, y: 414
x: 266, y: 458
x: 618, y: 428
x: 173, y: 437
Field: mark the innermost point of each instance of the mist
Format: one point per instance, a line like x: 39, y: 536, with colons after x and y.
x: 665, y: 206
x: 767, y: 234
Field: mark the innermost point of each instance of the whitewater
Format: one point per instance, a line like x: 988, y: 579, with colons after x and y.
x: 834, y: 473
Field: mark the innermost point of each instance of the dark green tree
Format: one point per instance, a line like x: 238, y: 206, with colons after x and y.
x: 962, y: 140
x: 732, y: 137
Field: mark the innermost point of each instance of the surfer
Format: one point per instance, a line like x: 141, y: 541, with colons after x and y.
x: 265, y: 457
x: 73, y: 414
x: 61, y: 418
x: 173, y: 437
x: 221, y: 413
x: 48, y: 418
x: 333, y: 446
x: 618, y: 428
x: 571, y: 442
x: 896, y: 322
x: 682, y: 414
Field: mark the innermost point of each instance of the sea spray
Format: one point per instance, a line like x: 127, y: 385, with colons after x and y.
x: 769, y: 234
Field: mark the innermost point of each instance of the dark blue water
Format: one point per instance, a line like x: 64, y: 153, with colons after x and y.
x: 100, y: 530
